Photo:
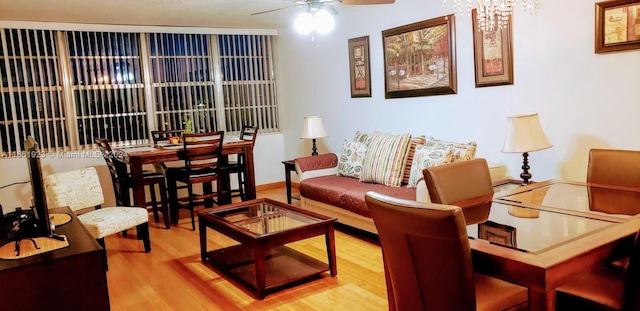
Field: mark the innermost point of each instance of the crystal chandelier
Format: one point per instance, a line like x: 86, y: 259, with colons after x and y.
x: 494, y: 14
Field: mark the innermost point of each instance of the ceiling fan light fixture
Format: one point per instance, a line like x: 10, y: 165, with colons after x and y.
x: 323, y: 22
x: 304, y: 23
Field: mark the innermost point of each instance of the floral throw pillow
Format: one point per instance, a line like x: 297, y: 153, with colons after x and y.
x: 427, y: 156
x: 461, y: 151
x: 350, y: 162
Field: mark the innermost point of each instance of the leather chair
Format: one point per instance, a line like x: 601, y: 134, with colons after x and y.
x: 80, y: 190
x: 466, y: 184
x: 611, y: 174
x: 427, y: 259
x: 201, y: 154
x: 123, y: 184
x: 604, y: 288
x: 248, y: 133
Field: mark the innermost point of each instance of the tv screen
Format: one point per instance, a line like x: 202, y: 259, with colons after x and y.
x: 40, y: 211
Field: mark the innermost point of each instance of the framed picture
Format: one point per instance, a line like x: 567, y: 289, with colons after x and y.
x: 359, y: 67
x: 420, y: 58
x: 497, y: 233
x: 493, y: 54
x: 617, y: 26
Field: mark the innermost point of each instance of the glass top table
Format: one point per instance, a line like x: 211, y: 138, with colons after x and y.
x: 601, y: 202
x: 526, y: 229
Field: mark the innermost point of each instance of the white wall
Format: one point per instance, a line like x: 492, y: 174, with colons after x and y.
x: 268, y: 154
x: 585, y: 100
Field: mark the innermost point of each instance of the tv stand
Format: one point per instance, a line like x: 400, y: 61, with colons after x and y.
x: 70, y: 278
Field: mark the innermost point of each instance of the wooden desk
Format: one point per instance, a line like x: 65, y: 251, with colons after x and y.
x: 71, y: 278
x: 137, y: 159
x: 591, y: 239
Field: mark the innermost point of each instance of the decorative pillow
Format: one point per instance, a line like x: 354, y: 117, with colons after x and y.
x: 350, y: 163
x: 461, y: 151
x: 427, y: 156
x: 418, y: 140
x: 364, y: 138
x: 385, y: 158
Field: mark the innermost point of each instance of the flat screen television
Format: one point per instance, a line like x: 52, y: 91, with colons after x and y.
x: 42, y: 226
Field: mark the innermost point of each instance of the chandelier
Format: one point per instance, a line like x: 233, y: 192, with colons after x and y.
x: 494, y: 14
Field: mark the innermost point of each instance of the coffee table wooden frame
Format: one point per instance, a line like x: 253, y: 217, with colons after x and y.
x: 263, y: 262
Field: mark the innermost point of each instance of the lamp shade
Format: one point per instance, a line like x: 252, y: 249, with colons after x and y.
x: 524, y: 134
x: 313, y: 128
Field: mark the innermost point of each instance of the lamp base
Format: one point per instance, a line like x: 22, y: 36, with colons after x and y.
x: 525, y: 175
x: 314, y: 150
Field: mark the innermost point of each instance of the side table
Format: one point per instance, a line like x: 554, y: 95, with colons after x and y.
x: 289, y: 166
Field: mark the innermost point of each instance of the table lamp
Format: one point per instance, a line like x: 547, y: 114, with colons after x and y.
x: 524, y: 135
x: 313, y: 129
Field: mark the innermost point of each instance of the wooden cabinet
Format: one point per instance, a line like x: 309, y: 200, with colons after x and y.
x: 71, y: 278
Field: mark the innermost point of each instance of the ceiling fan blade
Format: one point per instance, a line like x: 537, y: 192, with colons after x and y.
x: 363, y: 2
x: 272, y: 10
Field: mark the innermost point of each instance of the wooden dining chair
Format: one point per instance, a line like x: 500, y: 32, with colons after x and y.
x: 465, y: 183
x: 201, y: 153
x: 80, y: 190
x: 604, y: 288
x: 123, y: 183
x: 427, y: 259
x: 162, y: 137
x: 248, y: 133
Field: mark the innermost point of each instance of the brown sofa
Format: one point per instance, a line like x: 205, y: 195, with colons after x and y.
x: 323, y: 191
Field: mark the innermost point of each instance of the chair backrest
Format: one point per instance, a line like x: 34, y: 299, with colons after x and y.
x: 163, y: 136
x: 78, y: 189
x: 249, y: 133
x: 202, y: 151
x: 458, y: 181
x: 611, y: 167
x: 426, y: 254
x: 118, y: 172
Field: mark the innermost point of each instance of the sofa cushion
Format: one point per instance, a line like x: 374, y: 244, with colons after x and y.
x: 362, y: 137
x: 385, y: 158
x: 348, y: 193
x: 350, y: 163
x: 461, y: 151
x: 413, y: 142
x: 427, y: 156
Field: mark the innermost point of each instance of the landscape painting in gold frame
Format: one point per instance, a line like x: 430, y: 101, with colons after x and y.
x: 493, y: 54
x: 359, y: 67
x: 420, y: 58
x: 617, y: 26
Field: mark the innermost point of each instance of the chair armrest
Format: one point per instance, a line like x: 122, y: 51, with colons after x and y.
x: 422, y: 193
x: 316, y: 166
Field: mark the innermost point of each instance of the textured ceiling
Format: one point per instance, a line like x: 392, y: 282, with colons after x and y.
x: 193, y: 13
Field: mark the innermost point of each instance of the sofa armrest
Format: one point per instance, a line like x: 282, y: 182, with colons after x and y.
x: 316, y: 166
x: 422, y: 193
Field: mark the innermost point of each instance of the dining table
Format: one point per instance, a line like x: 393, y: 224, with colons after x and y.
x: 138, y: 156
x: 543, y: 234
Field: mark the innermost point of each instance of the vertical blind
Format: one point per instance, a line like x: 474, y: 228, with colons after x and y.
x: 67, y: 88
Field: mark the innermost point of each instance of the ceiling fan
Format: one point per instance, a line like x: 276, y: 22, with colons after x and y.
x: 314, y: 5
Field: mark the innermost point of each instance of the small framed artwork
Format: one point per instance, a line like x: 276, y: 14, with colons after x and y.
x: 617, y: 26
x: 359, y: 67
x: 493, y: 54
x: 420, y: 58
x: 497, y: 233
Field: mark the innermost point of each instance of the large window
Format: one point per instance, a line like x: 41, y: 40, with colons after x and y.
x: 67, y: 88
x: 31, y: 93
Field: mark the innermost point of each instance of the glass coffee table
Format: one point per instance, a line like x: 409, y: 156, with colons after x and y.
x: 262, y: 261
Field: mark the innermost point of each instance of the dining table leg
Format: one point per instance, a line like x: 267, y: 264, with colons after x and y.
x: 542, y: 300
x: 251, y: 174
x: 138, y: 183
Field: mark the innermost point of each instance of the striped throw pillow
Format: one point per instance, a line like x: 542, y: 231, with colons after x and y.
x: 415, y: 140
x: 385, y: 159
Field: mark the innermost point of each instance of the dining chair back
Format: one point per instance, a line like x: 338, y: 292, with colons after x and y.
x: 458, y: 181
x: 81, y: 191
x: 160, y: 137
x: 427, y: 259
x: 248, y: 133
x: 201, y: 153
x: 614, y: 176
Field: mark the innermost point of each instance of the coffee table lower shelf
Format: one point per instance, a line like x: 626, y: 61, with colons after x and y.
x: 283, y: 266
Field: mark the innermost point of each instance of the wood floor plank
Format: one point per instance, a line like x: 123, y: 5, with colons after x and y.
x: 172, y: 276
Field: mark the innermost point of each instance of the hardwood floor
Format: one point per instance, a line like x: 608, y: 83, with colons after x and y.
x: 172, y: 276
